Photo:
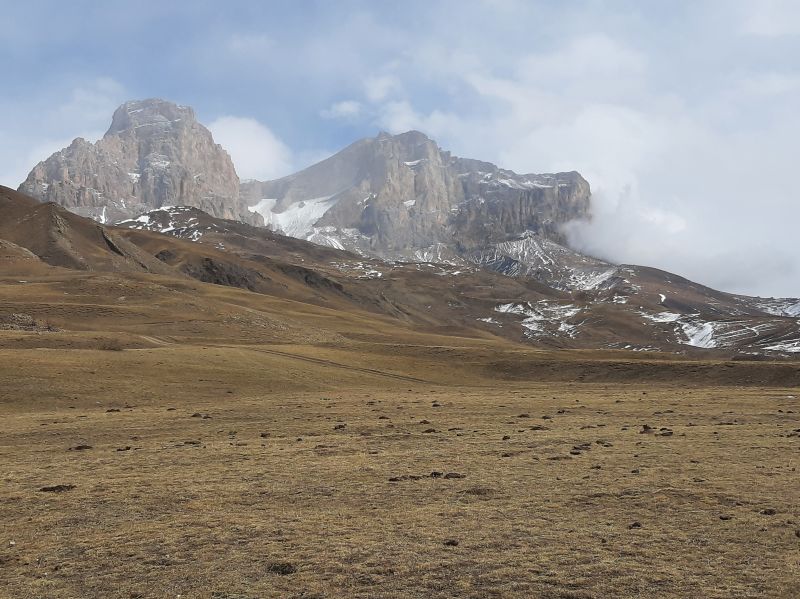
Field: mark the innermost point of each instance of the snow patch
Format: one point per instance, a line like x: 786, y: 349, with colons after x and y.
x: 158, y: 160
x: 362, y: 270
x: 661, y: 316
x: 544, y: 318
x: 413, y: 163
x: 792, y: 347
x: 780, y: 307
x: 489, y: 320
x: 298, y: 219
x: 699, y: 334
x: 325, y: 236
x: 589, y: 281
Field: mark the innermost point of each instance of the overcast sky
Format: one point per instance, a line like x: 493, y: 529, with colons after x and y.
x: 683, y: 116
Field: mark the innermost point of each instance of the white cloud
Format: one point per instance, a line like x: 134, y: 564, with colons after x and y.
x: 683, y: 118
x: 596, y: 56
x: 251, y: 46
x: 256, y: 152
x: 400, y: 116
x: 380, y: 87
x: 769, y: 84
x: 14, y: 169
x: 49, y: 123
x: 771, y: 18
x: 91, y: 105
x: 346, y: 109
x: 695, y: 183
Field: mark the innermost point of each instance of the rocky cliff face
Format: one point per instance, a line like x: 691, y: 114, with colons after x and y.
x: 154, y: 154
x: 392, y: 196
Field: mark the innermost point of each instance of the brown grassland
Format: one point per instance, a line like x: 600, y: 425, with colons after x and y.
x: 199, y: 441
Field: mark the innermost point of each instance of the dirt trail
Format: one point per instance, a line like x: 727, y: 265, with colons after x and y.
x: 156, y: 341
x: 319, y: 361
x: 332, y: 364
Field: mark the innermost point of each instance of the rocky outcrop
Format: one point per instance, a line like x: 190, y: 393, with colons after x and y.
x: 393, y: 195
x: 154, y: 154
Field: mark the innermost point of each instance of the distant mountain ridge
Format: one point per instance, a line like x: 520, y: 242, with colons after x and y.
x: 427, y: 237
x: 394, y: 197
x: 391, y: 196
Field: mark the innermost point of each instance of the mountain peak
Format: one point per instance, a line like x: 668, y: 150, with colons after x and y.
x: 413, y: 135
x: 150, y: 112
x: 393, y: 195
x: 410, y: 137
x: 154, y: 154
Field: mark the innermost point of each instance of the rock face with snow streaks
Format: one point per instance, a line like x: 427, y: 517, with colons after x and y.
x: 393, y: 195
x: 154, y: 154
